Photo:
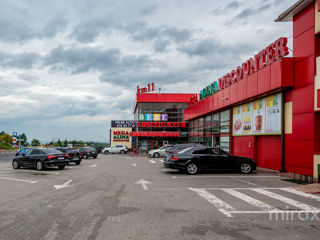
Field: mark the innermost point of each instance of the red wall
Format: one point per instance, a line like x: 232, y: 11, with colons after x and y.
x: 299, y: 146
x: 265, y: 150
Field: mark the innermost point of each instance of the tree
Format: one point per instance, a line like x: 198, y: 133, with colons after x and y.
x: 35, y: 142
x: 65, y: 143
x: 59, y: 143
x: 2, y: 132
x: 23, y: 138
x: 6, y: 139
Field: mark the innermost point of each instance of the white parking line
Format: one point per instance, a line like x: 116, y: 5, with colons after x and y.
x: 255, y: 202
x: 290, y: 201
x: 227, y: 176
x: 244, y: 181
x: 222, y: 207
x: 152, y: 161
x: 306, y: 195
x: 20, y: 180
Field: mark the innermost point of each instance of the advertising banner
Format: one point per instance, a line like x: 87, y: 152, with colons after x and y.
x: 262, y: 116
x: 153, y: 117
x: 121, y: 136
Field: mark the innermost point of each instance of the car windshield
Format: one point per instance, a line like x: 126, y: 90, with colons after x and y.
x: 51, y: 151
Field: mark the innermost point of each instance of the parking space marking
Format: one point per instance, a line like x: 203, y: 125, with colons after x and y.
x: 290, y: 201
x: 152, y: 161
x: 19, y: 180
x: 134, y: 164
x: 228, y: 210
x: 222, y: 206
x: 226, y: 176
x: 94, y: 165
x: 247, y: 182
x: 255, y: 202
x: 66, y: 184
x: 306, y: 195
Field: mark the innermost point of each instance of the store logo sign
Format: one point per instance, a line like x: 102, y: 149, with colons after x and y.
x: 149, y: 88
x: 163, y: 124
x: 121, y: 136
x: 275, y: 51
x: 209, y: 90
x: 157, y: 117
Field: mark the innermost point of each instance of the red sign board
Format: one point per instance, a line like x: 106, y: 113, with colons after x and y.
x: 275, y: 51
x: 149, y: 88
x: 162, y: 124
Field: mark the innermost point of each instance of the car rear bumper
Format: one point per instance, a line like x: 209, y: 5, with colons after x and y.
x: 174, y: 165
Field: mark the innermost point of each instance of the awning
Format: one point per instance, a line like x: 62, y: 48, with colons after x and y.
x: 155, y: 134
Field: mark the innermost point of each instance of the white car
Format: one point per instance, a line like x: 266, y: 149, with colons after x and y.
x: 115, y: 149
x: 160, y: 152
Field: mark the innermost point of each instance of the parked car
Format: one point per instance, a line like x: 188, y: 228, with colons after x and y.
x: 116, y: 149
x: 21, y: 151
x: 194, y: 159
x: 99, y: 149
x: 40, y: 158
x: 74, y: 155
x: 160, y: 152
x: 87, y: 152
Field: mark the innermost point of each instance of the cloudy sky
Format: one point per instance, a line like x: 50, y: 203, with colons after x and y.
x: 69, y: 67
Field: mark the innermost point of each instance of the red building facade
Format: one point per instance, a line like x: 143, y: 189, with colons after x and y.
x: 292, y: 145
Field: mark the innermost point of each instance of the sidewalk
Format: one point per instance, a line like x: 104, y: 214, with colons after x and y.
x: 308, y: 188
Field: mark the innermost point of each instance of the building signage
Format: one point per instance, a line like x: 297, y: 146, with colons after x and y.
x: 149, y: 88
x: 123, y: 123
x: 261, y: 116
x: 209, y: 90
x: 270, y: 54
x: 163, y: 124
x: 153, y: 117
x: 121, y: 136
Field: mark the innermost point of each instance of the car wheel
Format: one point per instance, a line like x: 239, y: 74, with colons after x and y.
x: 95, y: 157
x: 245, y: 168
x: 39, y: 165
x: 122, y: 151
x: 15, y: 164
x: 85, y: 156
x: 156, y: 155
x: 78, y: 162
x: 192, y: 168
x: 61, y: 166
x: 106, y: 152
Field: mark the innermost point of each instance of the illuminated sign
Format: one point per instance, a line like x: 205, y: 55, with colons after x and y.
x: 270, y: 54
x: 153, y: 117
x: 209, y: 90
x: 149, y: 88
x: 162, y: 124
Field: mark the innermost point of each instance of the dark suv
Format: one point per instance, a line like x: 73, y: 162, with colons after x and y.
x: 87, y: 152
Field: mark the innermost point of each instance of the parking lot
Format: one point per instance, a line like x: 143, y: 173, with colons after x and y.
x: 134, y: 197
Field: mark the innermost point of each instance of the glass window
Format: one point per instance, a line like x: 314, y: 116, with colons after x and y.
x: 202, y: 151
x: 35, y: 151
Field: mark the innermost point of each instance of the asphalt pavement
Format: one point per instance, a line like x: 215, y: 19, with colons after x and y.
x: 134, y: 197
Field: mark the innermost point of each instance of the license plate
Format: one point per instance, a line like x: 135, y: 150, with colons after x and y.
x: 60, y: 158
x: 75, y: 158
x: 93, y: 152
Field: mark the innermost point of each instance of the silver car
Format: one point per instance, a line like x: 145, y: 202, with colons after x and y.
x: 115, y: 149
x: 160, y: 152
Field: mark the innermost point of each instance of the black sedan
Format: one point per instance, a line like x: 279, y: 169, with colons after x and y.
x: 194, y: 159
x: 74, y: 155
x: 87, y: 152
x: 40, y: 158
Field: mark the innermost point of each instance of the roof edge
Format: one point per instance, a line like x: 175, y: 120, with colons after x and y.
x: 287, y: 16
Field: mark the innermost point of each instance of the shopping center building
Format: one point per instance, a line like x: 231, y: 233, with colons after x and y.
x: 268, y: 108
x: 160, y: 119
